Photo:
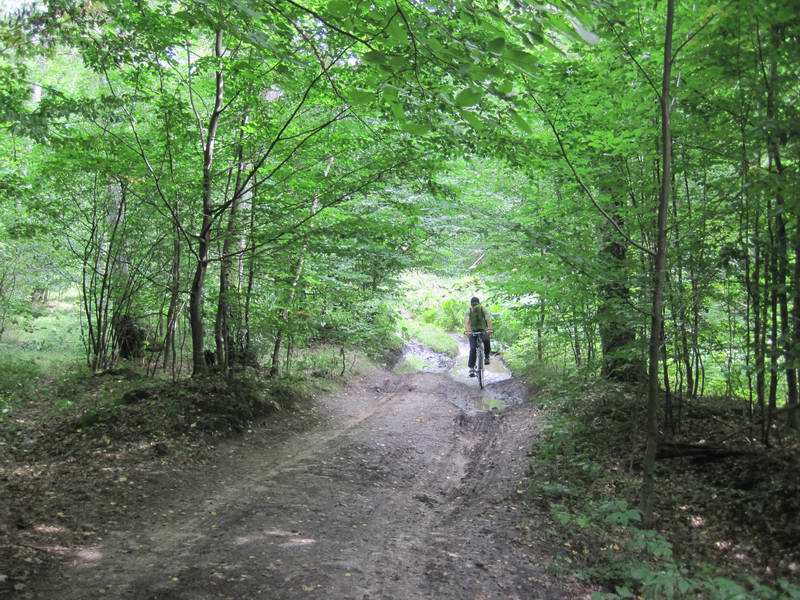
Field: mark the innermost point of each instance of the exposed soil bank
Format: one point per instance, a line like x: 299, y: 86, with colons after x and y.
x: 397, y: 492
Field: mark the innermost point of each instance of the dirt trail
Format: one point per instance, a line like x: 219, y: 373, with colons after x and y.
x: 403, y: 491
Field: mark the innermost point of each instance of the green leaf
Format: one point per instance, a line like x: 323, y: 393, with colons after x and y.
x: 390, y: 93
x: 521, y: 123
x: 416, y: 128
x: 249, y: 10
x: 339, y: 8
x: 586, y: 35
x: 497, y: 45
x: 397, y: 31
x: 360, y: 97
x: 397, y: 111
x: 473, y: 119
x: 398, y: 62
x: 374, y: 57
x: 468, y: 97
x: 520, y: 60
x: 504, y: 87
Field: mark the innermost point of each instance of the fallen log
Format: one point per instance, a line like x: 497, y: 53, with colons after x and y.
x: 699, y: 452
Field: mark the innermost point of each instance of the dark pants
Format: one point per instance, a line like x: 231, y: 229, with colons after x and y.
x: 486, y: 348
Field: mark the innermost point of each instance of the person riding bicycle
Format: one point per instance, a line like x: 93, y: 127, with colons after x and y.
x: 477, y: 320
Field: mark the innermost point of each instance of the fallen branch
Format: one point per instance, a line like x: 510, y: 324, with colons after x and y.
x: 699, y: 452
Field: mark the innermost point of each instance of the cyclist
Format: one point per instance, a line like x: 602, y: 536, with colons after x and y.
x: 477, y: 319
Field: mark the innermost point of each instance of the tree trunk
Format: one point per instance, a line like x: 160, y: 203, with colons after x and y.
x: 617, y: 335
x: 773, y: 354
x: 779, y: 277
x: 204, y: 237
x: 172, y: 311
x: 648, y: 483
x: 222, y: 323
x: 795, y: 364
x: 298, y: 273
x: 765, y: 305
x: 669, y: 415
x: 540, y: 331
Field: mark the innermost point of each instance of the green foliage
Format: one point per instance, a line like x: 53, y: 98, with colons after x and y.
x: 449, y: 315
x: 581, y: 478
x: 17, y: 381
x: 40, y: 343
x: 430, y: 335
x: 369, y: 326
x: 49, y: 332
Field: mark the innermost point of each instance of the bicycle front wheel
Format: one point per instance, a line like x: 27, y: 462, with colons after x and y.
x: 480, y: 369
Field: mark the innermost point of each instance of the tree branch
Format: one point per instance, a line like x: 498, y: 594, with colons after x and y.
x: 583, y: 186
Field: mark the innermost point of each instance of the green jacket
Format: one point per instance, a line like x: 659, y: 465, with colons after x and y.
x: 477, y: 319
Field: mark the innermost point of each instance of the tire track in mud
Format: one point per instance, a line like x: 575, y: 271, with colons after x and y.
x: 401, y: 495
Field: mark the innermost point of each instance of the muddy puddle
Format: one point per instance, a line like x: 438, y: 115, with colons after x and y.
x: 417, y: 357
x: 500, y: 390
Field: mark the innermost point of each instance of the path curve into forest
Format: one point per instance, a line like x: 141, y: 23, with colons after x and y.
x: 403, y: 491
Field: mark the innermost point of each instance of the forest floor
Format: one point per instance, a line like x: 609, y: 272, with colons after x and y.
x: 400, y: 485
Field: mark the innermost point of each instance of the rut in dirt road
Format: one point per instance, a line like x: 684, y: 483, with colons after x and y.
x: 400, y: 495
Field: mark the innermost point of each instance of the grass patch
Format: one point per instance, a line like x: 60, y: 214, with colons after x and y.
x: 43, y: 341
x: 17, y: 380
x: 49, y: 334
x: 430, y: 335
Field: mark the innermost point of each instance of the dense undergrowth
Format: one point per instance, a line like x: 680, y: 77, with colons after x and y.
x: 727, y: 524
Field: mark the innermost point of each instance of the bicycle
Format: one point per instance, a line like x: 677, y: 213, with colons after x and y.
x: 478, y: 335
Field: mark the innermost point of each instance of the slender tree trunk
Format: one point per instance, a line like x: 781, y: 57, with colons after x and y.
x: 779, y: 277
x: 677, y: 388
x: 576, y: 342
x: 617, y: 335
x: 694, y: 372
x: 588, y: 332
x: 765, y: 305
x: 204, y: 237
x: 172, y: 311
x: 276, y: 348
x: 222, y: 333
x: 669, y: 416
x: 648, y: 483
x: 298, y: 273
x: 795, y: 364
x: 755, y: 295
x: 685, y: 350
x: 774, y: 344
x: 540, y: 331
x: 251, y: 277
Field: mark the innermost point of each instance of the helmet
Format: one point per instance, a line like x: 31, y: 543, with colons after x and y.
x: 474, y: 300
